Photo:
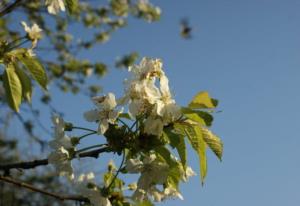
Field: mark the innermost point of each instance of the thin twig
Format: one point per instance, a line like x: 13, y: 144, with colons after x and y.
x: 10, y: 8
x: 44, y: 192
x: 90, y: 147
x: 118, y: 171
x: 86, y: 135
x: 83, y: 128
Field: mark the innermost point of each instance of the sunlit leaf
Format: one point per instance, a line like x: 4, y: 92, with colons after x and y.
x: 13, y: 87
x: 207, y: 117
x: 36, y: 70
x: 195, y: 137
x: 144, y: 203
x: 202, y: 100
x: 195, y: 117
x: 175, y: 169
x: 177, y: 141
x: 26, y: 84
x: 174, y: 176
x: 214, y: 142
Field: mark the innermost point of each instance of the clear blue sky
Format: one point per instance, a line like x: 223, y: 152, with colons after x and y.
x: 246, y: 54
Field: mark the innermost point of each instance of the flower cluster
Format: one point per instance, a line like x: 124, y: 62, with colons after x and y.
x: 62, y: 149
x: 145, y: 98
x: 159, y: 124
x: 154, y: 172
x: 85, y: 185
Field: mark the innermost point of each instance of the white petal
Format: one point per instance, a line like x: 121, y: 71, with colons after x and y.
x: 134, y: 166
x: 164, y: 86
x: 135, y: 108
x: 91, y: 116
x: 103, y: 126
x: 153, y: 126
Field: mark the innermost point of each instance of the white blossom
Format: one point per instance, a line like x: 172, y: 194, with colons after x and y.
x: 141, y: 91
x: 31, y: 53
x: 54, y: 6
x: 105, y: 113
x: 144, y: 96
x: 147, y: 69
x: 189, y: 172
x: 60, y: 138
x: 154, y: 126
x: 61, y: 145
x: 60, y: 159
x: 152, y: 172
x: 171, y: 192
x: 86, y: 186
x: 34, y: 33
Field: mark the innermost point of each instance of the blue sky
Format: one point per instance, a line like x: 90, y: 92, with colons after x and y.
x: 244, y: 53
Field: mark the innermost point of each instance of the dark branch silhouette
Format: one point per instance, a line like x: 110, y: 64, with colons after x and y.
x: 36, y: 163
x: 44, y: 192
x: 10, y: 8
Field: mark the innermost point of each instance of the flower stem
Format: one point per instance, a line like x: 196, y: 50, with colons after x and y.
x: 17, y: 40
x: 86, y: 129
x: 20, y: 44
x: 91, y: 147
x: 126, y: 125
x: 118, y: 171
x: 88, y: 134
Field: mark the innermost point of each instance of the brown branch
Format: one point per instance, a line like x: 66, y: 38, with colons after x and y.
x: 10, y: 8
x: 36, y: 163
x: 44, y: 192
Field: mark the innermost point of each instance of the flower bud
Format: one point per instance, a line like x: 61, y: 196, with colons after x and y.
x: 68, y: 126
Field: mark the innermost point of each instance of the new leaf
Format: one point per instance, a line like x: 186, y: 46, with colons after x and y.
x: 13, y: 87
x: 214, y: 142
x: 194, y: 134
x: 36, y: 70
x: 26, y: 84
x: 203, y: 101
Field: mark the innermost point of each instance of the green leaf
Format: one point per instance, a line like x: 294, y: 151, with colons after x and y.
x: 166, y: 155
x: 177, y: 141
x: 26, y: 84
x: 72, y: 6
x: 196, y: 118
x: 144, y: 203
x: 214, y: 142
x: 125, y: 115
x: 175, y: 169
x: 195, y: 137
x: 13, y: 87
x: 36, y: 69
x: 174, y: 176
x: 107, y: 178
x: 202, y: 101
x: 207, y: 117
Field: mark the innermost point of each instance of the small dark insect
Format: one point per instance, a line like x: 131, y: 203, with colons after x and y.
x: 185, y: 29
